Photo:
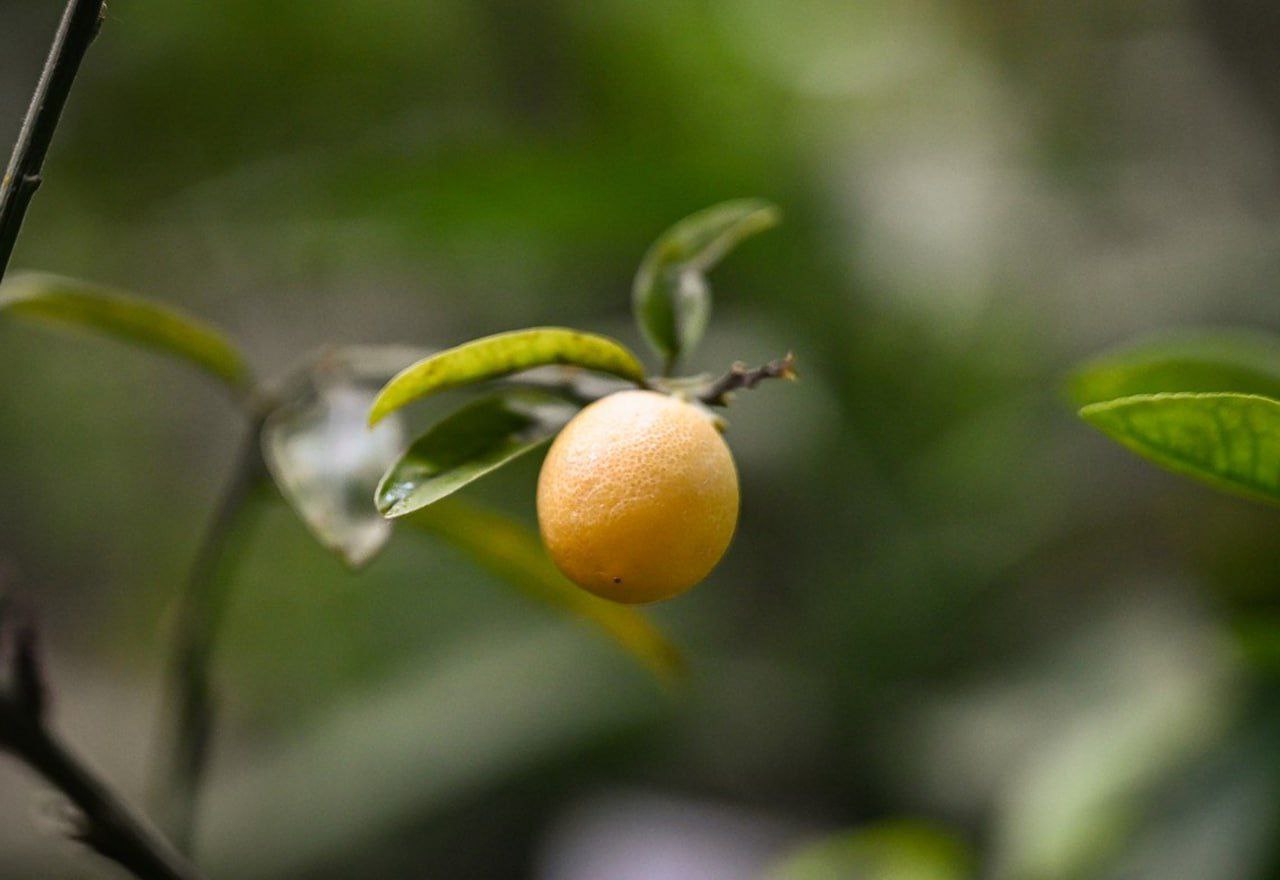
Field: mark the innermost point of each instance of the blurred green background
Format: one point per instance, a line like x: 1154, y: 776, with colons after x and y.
x: 948, y: 600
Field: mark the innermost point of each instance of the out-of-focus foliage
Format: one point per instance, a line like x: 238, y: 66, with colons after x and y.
x: 946, y: 597
x: 1239, y: 362
x: 892, y: 851
x: 325, y: 459
x: 512, y: 551
x: 143, y: 322
x: 419, y: 742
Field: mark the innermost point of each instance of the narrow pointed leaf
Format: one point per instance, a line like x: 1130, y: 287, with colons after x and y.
x: 513, y: 552
x: 467, y: 444
x: 1244, y: 362
x: 671, y: 298
x: 493, y: 357
x: 1230, y: 441
x: 68, y: 302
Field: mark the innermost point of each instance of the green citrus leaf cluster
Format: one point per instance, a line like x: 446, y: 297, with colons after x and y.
x: 320, y: 453
x: 314, y: 428
x: 671, y: 304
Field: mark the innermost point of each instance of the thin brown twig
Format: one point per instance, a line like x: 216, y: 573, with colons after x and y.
x: 79, y: 25
x: 740, y: 376
x: 103, y: 822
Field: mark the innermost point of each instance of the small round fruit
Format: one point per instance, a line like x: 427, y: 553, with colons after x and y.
x: 638, y: 497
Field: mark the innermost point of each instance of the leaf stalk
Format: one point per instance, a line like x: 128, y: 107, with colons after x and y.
x: 200, y: 608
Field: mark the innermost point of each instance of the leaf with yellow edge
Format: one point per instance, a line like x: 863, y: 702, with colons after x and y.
x: 512, y: 551
x: 502, y: 354
x: 58, y: 300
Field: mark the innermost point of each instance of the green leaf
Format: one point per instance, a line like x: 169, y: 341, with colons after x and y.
x: 320, y: 451
x: 1231, y: 441
x: 1243, y: 362
x: 66, y: 301
x: 889, y: 851
x: 510, y: 550
x: 670, y: 297
x: 501, y: 355
x: 464, y: 446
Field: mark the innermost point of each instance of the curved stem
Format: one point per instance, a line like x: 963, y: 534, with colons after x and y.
x: 80, y: 24
x: 190, y: 716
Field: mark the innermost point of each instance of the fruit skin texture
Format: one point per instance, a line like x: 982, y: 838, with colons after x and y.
x: 638, y: 497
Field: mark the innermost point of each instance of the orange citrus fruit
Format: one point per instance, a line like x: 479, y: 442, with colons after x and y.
x: 638, y: 497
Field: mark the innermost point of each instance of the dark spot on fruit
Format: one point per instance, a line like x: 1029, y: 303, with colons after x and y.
x: 617, y: 580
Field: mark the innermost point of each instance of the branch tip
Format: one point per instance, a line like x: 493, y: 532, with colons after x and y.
x: 740, y: 376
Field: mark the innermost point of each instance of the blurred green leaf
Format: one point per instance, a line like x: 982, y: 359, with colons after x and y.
x: 1231, y: 441
x: 890, y: 851
x: 325, y: 459
x: 670, y: 297
x: 467, y: 444
x: 512, y: 551
x: 501, y: 355
x: 1241, y: 361
x: 1257, y: 636
x: 60, y: 300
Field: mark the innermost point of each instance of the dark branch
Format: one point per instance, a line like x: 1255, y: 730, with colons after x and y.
x: 80, y: 23
x: 29, y: 690
x: 103, y: 822
x: 740, y: 376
